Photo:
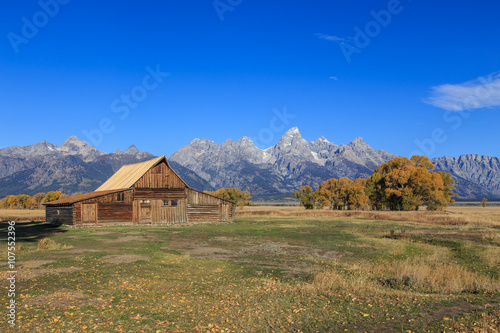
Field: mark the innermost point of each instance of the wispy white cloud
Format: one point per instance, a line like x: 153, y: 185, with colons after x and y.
x: 334, y: 78
x: 475, y: 94
x: 331, y: 38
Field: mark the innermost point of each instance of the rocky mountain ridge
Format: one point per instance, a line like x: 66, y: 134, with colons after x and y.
x: 294, y: 162
x: 282, y: 168
x: 75, y: 166
x: 72, y: 167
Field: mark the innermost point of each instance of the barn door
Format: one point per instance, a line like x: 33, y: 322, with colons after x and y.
x: 89, y: 213
x: 145, y: 213
x: 224, y: 213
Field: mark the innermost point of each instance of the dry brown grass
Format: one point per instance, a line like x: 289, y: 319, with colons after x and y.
x: 454, y: 215
x: 47, y: 244
x: 19, y: 215
x: 437, y: 276
x: 421, y: 273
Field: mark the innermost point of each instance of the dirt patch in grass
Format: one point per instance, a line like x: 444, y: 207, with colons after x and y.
x: 34, y: 263
x: 113, y: 234
x: 280, y: 256
x: 454, y: 310
x: 443, y: 313
x: 123, y: 259
x: 82, y: 250
x: 62, y: 299
x: 223, y: 239
x: 125, y: 239
x: 209, y: 251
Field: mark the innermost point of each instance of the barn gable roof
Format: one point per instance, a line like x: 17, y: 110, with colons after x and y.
x: 129, y: 174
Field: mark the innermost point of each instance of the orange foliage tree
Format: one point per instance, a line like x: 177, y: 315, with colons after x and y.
x: 405, y: 184
x: 342, y: 193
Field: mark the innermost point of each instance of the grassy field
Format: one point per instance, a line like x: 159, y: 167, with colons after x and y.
x: 22, y: 214
x: 273, y: 270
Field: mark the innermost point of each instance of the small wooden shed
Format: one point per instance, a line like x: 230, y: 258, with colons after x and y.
x: 150, y: 192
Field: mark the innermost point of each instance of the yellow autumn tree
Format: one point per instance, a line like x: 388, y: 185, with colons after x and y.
x: 308, y: 198
x: 23, y: 201
x: 36, y: 200
x: 405, y: 184
x: 54, y: 195
x: 342, y: 193
x: 356, y: 194
x: 233, y: 194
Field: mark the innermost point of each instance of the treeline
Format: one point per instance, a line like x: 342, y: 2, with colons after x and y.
x: 24, y: 201
x: 400, y: 184
x: 233, y: 194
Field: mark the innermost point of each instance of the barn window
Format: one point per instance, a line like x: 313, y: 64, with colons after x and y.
x: 174, y: 203
x: 120, y: 196
x: 166, y: 203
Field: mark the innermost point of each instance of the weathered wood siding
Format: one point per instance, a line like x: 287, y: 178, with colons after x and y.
x: 59, y: 214
x: 200, y: 198
x: 104, y: 209
x: 77, y: 213
x: 89, y: 213
x: 112, y: 197
x: 154, y: 212
x: 205, y: 208
x: 160, y: 176
x: 159, y: 193
x: 203, y: 213
x: 169, y: 215
x: 114, y: 212
x: 226, y: 213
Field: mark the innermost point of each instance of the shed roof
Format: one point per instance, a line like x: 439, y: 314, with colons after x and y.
x: 81, y: 197
x: 129, y: 174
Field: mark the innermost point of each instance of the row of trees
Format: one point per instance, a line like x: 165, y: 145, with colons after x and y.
x: 239, y: 197
x: 24, y: 201
x: 400, y: 184
x: 334, y: 193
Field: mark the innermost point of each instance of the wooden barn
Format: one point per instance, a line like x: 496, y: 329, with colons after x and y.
x: 143, y: 193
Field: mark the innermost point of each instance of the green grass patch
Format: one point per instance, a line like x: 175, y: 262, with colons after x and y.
x: 258, y: 274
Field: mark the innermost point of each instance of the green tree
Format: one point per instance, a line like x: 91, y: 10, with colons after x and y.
x: 483, y: 202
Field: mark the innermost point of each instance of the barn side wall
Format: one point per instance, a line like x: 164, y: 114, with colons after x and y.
x: 59, y: 214
x: 105, y: 209
x: 205, y: 208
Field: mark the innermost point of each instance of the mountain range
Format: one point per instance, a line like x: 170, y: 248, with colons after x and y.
x: 283, y: 168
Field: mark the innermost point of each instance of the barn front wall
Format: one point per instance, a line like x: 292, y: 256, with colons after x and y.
x: 154, y: 211
x: 179, y: 206
x: 160, y: 176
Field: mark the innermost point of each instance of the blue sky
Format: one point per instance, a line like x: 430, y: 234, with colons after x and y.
x: 407, y: 76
